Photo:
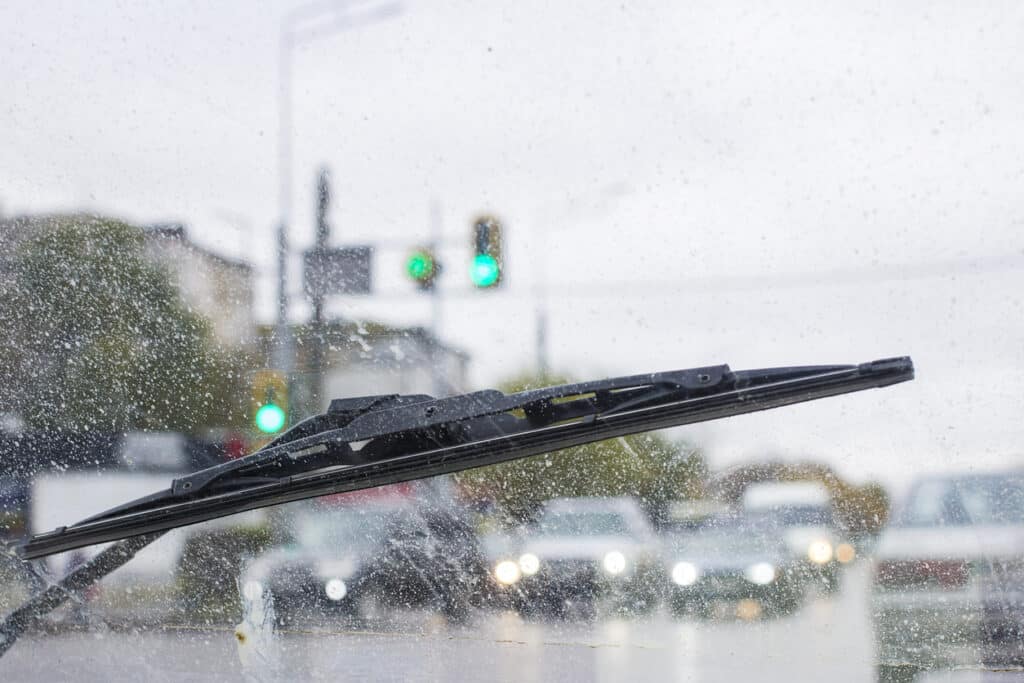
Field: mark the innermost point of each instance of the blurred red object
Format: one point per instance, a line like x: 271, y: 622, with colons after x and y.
x: 235, y: 446
x: 404, y: 489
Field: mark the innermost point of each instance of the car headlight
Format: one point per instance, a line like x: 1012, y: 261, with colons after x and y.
x: 507, y: 572
x: 819, y: 552
x: 685, y: 574
x: 845, y: 553
x: 614, y: 562
x: 761, y: 573
x: 335, y: 589
x: 251, y: 590
x: 529, y: 564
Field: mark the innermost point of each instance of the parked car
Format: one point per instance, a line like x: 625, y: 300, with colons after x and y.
x: 356, y: 560
x: 730, y: 560
x: 949, y: 576
x: 583, y: 551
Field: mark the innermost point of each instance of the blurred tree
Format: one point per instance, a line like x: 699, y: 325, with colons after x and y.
x: 858, y: 509
x: 647, y: 466
x: 99, y: 339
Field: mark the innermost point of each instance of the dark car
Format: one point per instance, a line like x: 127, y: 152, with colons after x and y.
x: 355, y: 561
x: 730, y: 562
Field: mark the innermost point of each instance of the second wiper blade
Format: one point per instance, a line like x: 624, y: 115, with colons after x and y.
x: 372, y: 441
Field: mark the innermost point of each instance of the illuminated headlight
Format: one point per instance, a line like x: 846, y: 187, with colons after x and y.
x: 761, y: 573
x: 529, y: 564
x: 685, y: 574
x: 845, y: 553
x: 335, y: 589
x: 615, y: 562
x: 819, y: 552
x: 252, y: 590
x: 507, y: 572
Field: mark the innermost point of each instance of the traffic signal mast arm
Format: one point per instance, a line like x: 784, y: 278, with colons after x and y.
x: 375, y: 440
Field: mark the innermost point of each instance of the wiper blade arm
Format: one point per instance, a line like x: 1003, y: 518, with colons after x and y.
x: 44, y: 602
x: 372, y: 441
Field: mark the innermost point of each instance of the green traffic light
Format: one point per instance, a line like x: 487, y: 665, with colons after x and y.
x: 485, y: 271
x: 420, y: 266
x: 270, y: 418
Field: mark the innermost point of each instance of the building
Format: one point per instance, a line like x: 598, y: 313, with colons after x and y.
x: 363, y: 358
x: 218, y: 288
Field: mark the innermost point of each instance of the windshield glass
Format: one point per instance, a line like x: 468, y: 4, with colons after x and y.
x: 724, y: 543
x: 973, y: 500
x: 317, y: 245
x: 583, y: 524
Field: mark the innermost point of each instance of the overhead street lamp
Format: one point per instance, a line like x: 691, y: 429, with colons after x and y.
x: 302, y: 25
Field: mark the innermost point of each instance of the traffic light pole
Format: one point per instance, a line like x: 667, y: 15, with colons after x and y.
x: 323, y: 231
x: 299, y: 26
x: 282, y: 351
x: 436, y: 371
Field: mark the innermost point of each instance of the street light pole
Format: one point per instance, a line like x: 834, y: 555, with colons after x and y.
x: 288, y: 39
x: 284, y: 359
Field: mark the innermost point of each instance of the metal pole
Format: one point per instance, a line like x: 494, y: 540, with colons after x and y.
x: 290, y: 36
x: 283, y: 356
x: 541, y: 316
x: 542, y: 340
x: 323, y: 230
x: 436, y: 370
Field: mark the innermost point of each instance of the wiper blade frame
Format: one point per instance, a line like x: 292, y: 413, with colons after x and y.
x: 372, y: 441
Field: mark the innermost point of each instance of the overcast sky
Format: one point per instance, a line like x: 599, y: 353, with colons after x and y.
x: 690, y: 183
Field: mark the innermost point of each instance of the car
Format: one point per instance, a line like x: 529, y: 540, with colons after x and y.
x: 357, y: 560
x: 803, y: 512
x: 948, y: 585
x: 730, y: 560
x: 581, y: 552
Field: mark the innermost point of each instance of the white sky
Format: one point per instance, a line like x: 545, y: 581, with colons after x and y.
x: 758, y: 184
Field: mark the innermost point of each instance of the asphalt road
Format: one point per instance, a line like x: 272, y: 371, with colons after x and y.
x: 828, y: 640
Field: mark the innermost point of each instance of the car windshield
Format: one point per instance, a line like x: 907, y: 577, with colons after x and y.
x: 967, y: 501
x: 725, y: 543
x: 583, y: 524
x: 585, y: 340
x: 325, y: 529
x: 797, y: 515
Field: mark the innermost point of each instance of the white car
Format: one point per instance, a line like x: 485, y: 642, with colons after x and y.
x: 949, y: 576
x: 581, y: 551
x: 803, y: 512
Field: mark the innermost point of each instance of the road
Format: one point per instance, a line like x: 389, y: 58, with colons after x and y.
x: 828, y: 640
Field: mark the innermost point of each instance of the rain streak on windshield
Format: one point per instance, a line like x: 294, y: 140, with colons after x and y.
x: 393, y: 340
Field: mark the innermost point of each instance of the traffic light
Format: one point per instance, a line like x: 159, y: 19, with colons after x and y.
x: 270, y: 401
x: 485, y: 270
x: 423, y: 268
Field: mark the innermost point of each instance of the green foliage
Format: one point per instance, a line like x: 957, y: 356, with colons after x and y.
x: 98, y: 337
x: 647, y: 466
x: 858, y: 509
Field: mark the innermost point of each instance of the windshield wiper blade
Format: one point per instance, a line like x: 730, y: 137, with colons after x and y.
x: 372, y: 441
